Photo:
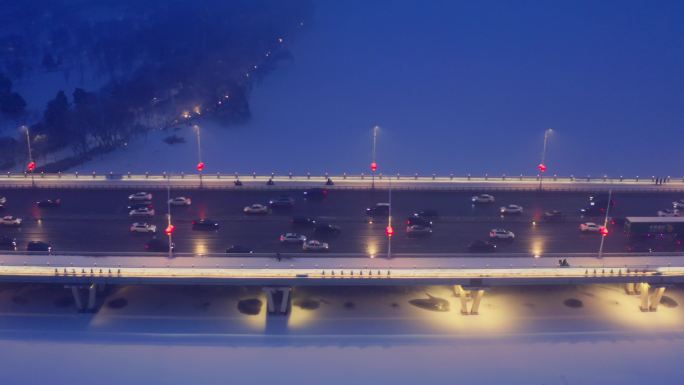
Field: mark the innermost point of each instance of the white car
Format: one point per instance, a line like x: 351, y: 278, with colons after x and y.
x: 292, y: 238
x: 139, y: 227
x: 142, y: 212
x: 501, y: 234
x: 589, y: 227
x: 140, y: 196
x: 3, y: 200
x: 180, y: 201
x: 418, y: 230
x: 668, y: 213
x: 483, y: 198
x: 256, y: 208
x: 9, y: 220
x: 678, y: 204
x: 314, y: 245
x: 511, y: 209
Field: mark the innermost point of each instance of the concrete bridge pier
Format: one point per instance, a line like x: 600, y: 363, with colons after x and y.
x: 471, y: 294
x: 649, y: 300
x: 278, y: 299
x: 90, y: 305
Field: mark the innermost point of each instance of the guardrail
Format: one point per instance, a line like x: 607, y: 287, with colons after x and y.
x: 344, y: 181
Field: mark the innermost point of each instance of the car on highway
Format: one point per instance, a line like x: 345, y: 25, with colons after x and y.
x: 421, y: 221
x: 314, y: 245
x: 143, y: 227
x: 504, y: 234
x: 49, y: 203
x: 141, y: 212
x: 600, y: 200
x: 418, y: 231
x: 3, y: 200
x: 668, y: 213
x: 482, y: 246
x: 205, y: 224
x: 290, y: 238
x: 593, y: 211
x: 9, y: 220
x: 256, y: 208
x: 511, y: 209
x: 315, y: 194
x: 139, y: 205
x: 8, y: 243
x: 282, y: 202
x: 238, y: 249
x: 429, y: 214
x: 589, y: 227
x: 140, y: 196
x: 678, y: 204
x: 38, y: 246
x: 326, y: 229
x: 380, y: 210
x: 553, y: 215
x: 303, y: 222
x: 483, y: 198
x: 157, y: 245
x: 617, y: 221
x: 180, y: 201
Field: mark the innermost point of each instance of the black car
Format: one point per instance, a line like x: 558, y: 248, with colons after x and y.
x: 303, y: 222
x: 593, y: 211
x: 205, y: 224
x: 158, y: 245
x: 38, y: 246
x: 482, y: 246
x: 238, y: 249
x: 139, y: 205
x: 600, y: 200
x: 420, y: 221
x: 49, y: 203
x: 618, y: 222
x: 326, y: 229
x: 429, y: 214
x: 316, y: 194
x: 553, y: 215
x: 282, y: 202
x: 380, y: 210
x: 8, y: 243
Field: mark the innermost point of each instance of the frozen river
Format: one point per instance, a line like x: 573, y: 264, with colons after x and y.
x: 341, y: 336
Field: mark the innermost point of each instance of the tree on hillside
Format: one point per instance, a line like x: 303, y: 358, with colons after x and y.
x: 56, y: 120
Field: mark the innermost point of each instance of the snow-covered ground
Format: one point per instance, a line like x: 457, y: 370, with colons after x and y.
x: 183, y: 335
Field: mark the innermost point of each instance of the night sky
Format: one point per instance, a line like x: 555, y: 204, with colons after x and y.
x: 471, y: 86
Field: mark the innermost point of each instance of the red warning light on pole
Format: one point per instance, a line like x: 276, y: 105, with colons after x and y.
x: 389, y: 231
x: 542, y: 167
x: 200, y: 166
x: 603, y: 230
x: 374, y: 166
x: 170, y: 229
x: 31, y: 166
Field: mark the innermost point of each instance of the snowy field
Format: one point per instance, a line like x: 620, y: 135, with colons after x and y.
x: 175, y: 335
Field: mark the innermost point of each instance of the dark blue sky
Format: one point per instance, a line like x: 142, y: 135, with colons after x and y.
x: 471, y: 86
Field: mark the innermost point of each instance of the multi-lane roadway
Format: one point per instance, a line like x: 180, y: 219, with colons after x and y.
x: 98, y: 221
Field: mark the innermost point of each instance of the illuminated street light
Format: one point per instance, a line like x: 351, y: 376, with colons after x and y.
x: 389, y: 230
x: 374, y: 164
x: 31, y: 166
x: 604, y: 229
x: 542, y: 165
x: 200, y: 164
x: 170, y: 228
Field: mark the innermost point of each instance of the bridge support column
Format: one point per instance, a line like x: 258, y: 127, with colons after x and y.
x: 474, y: 294
x: 656, y: 297
x: 643, y: 293
x: 278, y: 299
x: 77, y: 298
x: 92, y: 297
x: 630, y: 288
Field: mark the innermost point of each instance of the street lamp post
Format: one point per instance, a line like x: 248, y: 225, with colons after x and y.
x: 390, y: 229
x: 31, y: 164
x: 542, y: 165
x: 604, y: 229
x: 374, y: 164
x: 170, y: 227
x: 200, y: 164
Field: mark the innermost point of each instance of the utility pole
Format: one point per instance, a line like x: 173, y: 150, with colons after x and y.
x: 374, y: 164
x: 200, y: 164
x: 604, y: 229
x: 169, y: 228
x: 31, y: 164
x: 390, y: 229
x: 542, y: 165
